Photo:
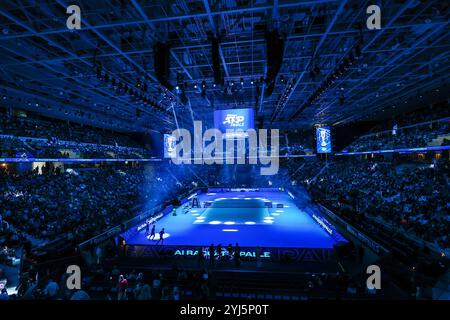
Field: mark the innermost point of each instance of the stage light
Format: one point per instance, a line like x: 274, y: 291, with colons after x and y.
x: 215, y: 222
x: 249, y: 222
x: 229, y: 223
x: 230, y: 230
x: 157, y: 237
x: 251, y: 82
x: 195, y: 86
x: 279, y: 211
x: 242, y: 81
x: 268, y: 221
x: 275, y: 214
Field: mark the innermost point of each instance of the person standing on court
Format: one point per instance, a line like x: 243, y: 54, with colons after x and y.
x: 258, y: 257
x: 147, y: 228
x: 237, y: 255
x: 201, y: 257
x: 230, y: 251
x: 211, y: 254
x: 153, y: 233
x: 161, y: 236
x: 219, y: 251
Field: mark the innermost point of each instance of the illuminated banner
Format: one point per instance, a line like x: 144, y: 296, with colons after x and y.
x: 234, y: 119
x: 323, y: 140
x: 247, y: 254
x: 169, y: 146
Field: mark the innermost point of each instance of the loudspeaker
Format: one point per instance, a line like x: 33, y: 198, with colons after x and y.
x: 275, y: 53
x: 218, y: 79
x: 161, y: 62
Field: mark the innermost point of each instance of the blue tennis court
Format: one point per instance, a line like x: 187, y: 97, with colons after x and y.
x: 242, y: 217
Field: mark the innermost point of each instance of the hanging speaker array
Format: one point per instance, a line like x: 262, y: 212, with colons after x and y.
x: 161, y: 56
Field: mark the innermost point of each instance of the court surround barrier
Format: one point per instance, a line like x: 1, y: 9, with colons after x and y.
x: 320, y: 219
x: 376, y: 247
x: 274, y: 254
x: 373, y: 244
x: 133, y: 223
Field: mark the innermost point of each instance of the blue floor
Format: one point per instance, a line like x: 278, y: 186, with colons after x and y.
x: 240, y: 217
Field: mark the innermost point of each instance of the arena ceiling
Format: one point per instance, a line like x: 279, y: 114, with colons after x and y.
x: 103, y: 74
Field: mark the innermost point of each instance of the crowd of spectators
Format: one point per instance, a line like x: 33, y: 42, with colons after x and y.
x: 39, y: 127
x: 78, y: 204
x: 424, y: 114
x: 11, y: 146
x: 414, y: 199
x: 113, y: 284
x: 411, y: 137
x: 106, y: 282
x: 58, y: 139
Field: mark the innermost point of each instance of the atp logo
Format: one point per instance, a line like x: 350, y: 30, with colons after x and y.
x: 234, y: 120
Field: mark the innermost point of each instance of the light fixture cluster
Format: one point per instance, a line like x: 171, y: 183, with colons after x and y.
x: 138, y: 93
x: 281, y: 103
x: 341, y: 67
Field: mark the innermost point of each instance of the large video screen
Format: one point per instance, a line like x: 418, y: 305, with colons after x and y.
x: 323, y: 140
x: 234, y: 119
x: 169, y: 146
